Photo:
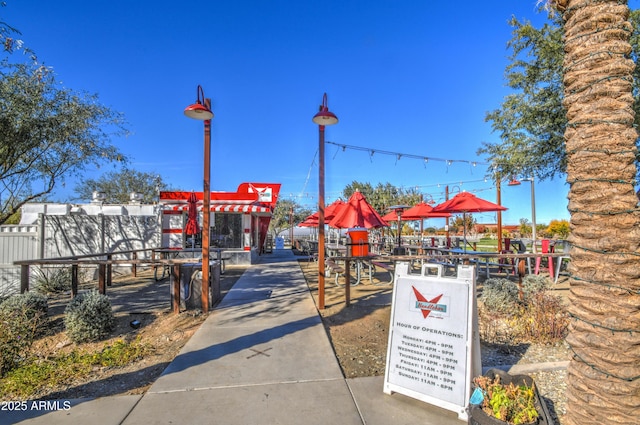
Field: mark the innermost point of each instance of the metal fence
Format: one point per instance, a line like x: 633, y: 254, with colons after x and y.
x: 57, y: 236
x: 19, y: 242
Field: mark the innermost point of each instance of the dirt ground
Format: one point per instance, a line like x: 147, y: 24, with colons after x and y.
x: 358, y: 332
x: 165, y: 332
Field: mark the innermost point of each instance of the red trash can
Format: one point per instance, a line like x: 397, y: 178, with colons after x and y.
x: 359, y: 242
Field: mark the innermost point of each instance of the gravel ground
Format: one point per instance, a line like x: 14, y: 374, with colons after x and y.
x: 359, y: 336
x: 544, y: 363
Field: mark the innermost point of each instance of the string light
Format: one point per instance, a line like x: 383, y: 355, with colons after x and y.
x: 606, y: 285
x: 399, y: 155
x: 608, y: 374
x: 600, y: 251
x: 598, y: 325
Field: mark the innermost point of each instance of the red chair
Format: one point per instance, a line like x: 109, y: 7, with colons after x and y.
x: 506, y: 250
x: 546, y: 248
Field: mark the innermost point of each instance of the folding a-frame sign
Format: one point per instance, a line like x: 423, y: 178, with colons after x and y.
x: 434, y: 346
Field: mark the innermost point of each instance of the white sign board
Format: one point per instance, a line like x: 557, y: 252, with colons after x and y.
x: 434, y: 346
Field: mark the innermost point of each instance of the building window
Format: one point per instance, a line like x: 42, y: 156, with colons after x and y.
x: 227, y: 230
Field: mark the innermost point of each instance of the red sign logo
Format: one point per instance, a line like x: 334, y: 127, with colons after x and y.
x: 427, y: 306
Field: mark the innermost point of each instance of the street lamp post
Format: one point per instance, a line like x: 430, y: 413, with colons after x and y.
x: 200, y: 111
x: 499, y: 215
x: 323, y: 118
x: 515, y: 182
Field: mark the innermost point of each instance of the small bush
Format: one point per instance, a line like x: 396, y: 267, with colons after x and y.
x: 500, y: 295
x: 32, y: 305
x: 509, y: 403
x: 22, y: 317
x: 52, y: 281
x: 543, y: 319
x: 540, y: 317
x: 534, y: 284
x: 89, y: 317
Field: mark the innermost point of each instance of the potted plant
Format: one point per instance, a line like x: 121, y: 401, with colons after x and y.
x: 500, y: 398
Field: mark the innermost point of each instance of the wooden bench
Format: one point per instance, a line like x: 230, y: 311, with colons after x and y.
x: 332, y: 266
x: 388, y: 268
x: 223, y: 261
x: 513, y: 267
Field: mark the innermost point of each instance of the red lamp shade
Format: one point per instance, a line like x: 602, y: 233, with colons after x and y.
x: 325, y: 116
x: 198, y: 111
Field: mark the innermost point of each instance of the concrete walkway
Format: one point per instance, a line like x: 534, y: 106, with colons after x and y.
x: 261, y: 357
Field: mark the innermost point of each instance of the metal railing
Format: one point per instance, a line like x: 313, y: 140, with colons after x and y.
x: 104, y: 262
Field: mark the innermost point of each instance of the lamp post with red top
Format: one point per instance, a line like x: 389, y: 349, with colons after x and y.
x: 323, y: 118
x: 201, y: 110
x: 515, y: 182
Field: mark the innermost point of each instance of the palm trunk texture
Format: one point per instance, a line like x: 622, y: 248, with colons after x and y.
x: 603, y: 384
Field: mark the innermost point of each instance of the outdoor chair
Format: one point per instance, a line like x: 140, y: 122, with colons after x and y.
x: 521, y: 248
x: 564, y: 246
x: 310, y: 253
x: 546, y: 247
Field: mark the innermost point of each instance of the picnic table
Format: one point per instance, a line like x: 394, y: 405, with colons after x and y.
x: 514, y: 261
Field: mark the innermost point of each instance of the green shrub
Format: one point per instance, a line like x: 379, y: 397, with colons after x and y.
x: 51, y: 281
x: 534, y: 284
x: 33, y: 305
x: 89, y: 317
x: 499, y: 294
x: 22, y: 317
x: 509, y: 403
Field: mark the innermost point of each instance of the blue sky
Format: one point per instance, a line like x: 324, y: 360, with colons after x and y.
x: 414, y: 77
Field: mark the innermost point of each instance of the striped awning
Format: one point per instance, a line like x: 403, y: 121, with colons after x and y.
x: 230, y: 208
x: 240, y: 208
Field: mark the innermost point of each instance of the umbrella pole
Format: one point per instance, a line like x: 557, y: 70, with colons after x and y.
x: 464, y: 230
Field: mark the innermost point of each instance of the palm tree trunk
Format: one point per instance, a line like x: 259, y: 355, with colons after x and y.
x: 603, y: 384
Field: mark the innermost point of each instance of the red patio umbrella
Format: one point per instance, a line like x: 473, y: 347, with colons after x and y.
x: 420, y: 211
x: 329, y: 211
x: 392, y: 216
x: 192, y: 227
x: 310, y: 221
x: 466, y: 202
x: 357, y: 212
